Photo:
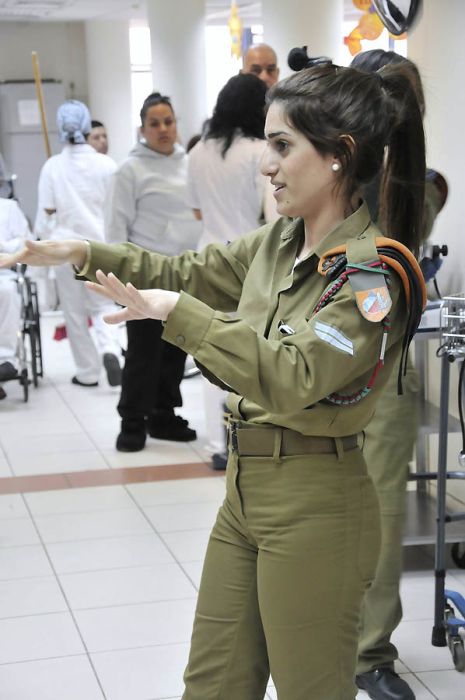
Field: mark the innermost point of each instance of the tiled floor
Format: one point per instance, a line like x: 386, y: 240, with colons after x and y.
x: 98, y: 584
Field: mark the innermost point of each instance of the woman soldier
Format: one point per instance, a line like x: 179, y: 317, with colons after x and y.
x: 322, y: 319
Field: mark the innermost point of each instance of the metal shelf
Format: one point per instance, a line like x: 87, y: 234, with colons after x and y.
x: 420, y: 527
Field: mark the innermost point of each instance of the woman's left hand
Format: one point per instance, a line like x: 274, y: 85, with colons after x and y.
x: 139, y: 304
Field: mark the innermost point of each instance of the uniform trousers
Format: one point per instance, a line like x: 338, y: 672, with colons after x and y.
x: 293, y: 549
x: 10, y: 316
x: 78, y: 304
x: 389, y: 442
x: 152, y: 372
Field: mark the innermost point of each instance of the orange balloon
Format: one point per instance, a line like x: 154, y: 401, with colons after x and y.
x: 353, y: 42
x: 363, y: 5
x: 370, y: 26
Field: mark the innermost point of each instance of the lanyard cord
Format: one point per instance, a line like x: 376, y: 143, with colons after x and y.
x: 378, y: 266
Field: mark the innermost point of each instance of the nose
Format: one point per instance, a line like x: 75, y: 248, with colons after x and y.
x: 268, y: 164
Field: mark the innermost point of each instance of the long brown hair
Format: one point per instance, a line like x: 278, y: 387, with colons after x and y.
x: 380, y: 113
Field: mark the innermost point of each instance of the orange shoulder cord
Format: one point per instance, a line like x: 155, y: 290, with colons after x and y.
x: 335, y: 267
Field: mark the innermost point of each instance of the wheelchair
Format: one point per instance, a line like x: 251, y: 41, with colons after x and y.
x: 30, y: 317
x: 29, y: 342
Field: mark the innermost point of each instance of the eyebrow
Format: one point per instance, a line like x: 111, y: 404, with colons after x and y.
x: 273, y: 134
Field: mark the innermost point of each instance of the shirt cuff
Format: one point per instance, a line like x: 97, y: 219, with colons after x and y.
x: 188, y: 323
x: 85, y: 269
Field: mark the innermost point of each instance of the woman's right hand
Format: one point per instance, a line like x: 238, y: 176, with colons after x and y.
x: 45, y: 253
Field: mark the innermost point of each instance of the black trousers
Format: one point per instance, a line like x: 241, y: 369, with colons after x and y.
x: 152, y: 373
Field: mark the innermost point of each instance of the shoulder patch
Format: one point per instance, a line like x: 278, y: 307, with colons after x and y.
x: 371, y: 294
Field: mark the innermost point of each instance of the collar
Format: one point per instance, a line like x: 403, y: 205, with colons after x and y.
x: 351, y: 227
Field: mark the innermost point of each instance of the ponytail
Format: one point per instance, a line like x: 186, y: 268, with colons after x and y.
x: 403, y: 183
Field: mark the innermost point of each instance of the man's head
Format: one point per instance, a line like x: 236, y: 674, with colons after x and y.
x: 98, y: 137
x: 261, y: 60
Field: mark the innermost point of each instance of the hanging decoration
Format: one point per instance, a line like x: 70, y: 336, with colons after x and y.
x: 235, y: 29
x: 369, y: 27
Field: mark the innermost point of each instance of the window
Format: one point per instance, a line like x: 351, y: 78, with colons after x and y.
x: 140, y: 52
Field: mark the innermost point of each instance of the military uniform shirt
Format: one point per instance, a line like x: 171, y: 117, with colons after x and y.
x: 278, y: 378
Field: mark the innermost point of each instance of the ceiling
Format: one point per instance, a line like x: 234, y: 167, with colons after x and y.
x: 79, y: 10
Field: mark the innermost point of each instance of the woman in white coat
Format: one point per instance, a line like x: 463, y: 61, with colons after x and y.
x: 227, y: 192
x: 72, y: 190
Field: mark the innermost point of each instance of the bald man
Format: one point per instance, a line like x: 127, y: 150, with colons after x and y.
x: 261, y: 60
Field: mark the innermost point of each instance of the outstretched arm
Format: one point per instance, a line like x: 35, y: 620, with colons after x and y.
x: 45, y: 253
x: 139, y: 304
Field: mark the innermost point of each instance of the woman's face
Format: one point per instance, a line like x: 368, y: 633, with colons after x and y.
x: 303, y: 178
x: 159, y: 129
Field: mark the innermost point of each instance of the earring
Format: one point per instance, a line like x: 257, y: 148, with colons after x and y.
x: 335, y: 167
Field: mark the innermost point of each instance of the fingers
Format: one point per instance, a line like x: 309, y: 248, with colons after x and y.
x: 118, y: 317
x: 94, y: 287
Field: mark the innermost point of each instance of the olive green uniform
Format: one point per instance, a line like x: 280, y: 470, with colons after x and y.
x: 389, y: 443
x: 296, y: 540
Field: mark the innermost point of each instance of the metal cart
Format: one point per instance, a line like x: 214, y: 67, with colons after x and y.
x: 449, y: 605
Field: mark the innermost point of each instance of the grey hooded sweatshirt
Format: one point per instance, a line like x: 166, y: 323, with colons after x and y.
x: 147, y: 203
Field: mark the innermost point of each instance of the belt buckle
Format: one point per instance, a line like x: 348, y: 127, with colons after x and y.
x: 233, y: 436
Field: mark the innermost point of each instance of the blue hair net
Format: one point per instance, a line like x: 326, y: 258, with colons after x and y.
x: 73, y: 121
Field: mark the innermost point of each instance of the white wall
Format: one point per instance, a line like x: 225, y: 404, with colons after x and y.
x: 109, y: 82
x: 61, y: 50
x: 437, y: 46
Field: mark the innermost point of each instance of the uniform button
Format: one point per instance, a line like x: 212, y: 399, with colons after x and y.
x: 180, y: 340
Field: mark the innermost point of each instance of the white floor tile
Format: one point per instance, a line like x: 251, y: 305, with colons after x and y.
x: 30, y: 596
x: 38, y: 637
x: 140, y: 674
x: 79, y: 500
x: 61, y: 424
x: 179, y: 491
x: 193, y: 569
x: 189, y: 545
x: 145, y: 584
x: 417, y: 595
x: 12, y: 506
x: 70, y: 678
x: 62, y: 443
x: 17, y: 531
x: 109, y: 553
x: 444, y: 685
x: 57, y: 462
x: 23, y: 562
x: 156, y: 453
x: 413, y: 641
x: 130, y: 626
x: 185, y: 516
x: 93, y: 525
x: 5, y: 469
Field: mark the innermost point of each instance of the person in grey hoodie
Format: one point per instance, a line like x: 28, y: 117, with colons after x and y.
x: 147, y: 206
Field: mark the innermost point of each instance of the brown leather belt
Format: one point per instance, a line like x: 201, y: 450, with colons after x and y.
x: 261, y: 441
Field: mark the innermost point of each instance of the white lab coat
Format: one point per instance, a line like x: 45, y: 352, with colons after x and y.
x: 75, y: 183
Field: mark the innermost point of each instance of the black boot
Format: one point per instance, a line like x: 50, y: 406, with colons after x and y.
x: 219, y: 461
x: 384, y: 684
x: 132, y: 435
x: 166, y: 425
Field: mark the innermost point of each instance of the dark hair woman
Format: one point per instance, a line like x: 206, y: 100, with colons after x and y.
x: 226, y: 188
x: 320, y: 324
x: 227, y: 192
x: 147, y: 206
